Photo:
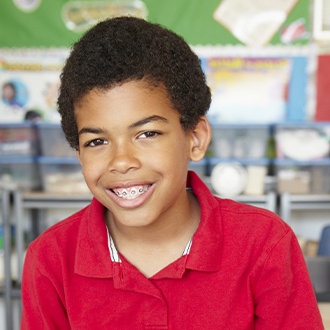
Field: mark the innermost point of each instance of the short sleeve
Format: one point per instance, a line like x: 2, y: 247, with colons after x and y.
x: 284, y: 296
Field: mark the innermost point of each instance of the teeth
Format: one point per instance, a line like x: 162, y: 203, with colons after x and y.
x: 131, y: 192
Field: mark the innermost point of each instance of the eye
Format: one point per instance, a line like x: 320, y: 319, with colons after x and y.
x: 96, y: 142
x: 148, y: 135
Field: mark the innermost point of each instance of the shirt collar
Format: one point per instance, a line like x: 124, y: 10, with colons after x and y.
x: 206, y: 250
x: 115, y: 256
x: 92, y: 254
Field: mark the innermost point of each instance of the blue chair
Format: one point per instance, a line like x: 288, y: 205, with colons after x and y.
x: 324, y: 244
x: 319, y: 272
x: 319, y: 267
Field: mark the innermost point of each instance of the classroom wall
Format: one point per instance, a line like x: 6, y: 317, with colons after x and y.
x: 193, y: 19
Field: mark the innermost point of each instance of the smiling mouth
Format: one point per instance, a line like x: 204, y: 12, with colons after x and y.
x: 130, y: 192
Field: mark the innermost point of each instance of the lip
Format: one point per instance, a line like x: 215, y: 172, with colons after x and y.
x: 130, y: 203
x: 128, y: 184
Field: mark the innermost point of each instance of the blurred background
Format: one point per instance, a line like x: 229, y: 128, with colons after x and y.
x: 268, y: 66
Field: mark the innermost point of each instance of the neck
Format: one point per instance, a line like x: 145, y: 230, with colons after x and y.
x: 151, y: 248
x: 169, y: 229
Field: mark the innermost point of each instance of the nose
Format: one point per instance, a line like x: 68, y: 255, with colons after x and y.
x: 123, y: 158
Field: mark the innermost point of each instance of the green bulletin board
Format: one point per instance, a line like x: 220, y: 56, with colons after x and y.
x: 193, y: 19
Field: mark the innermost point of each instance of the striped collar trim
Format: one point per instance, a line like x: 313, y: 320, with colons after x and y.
x: 115, y: 257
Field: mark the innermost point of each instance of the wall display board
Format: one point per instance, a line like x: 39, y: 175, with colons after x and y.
x: 247, y: 87
x: 266, y: 87
x: 40, y: 23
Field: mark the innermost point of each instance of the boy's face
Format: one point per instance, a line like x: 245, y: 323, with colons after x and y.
x: 134, y: 153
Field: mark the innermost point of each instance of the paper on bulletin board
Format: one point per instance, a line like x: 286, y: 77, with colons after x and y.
x: 323, y: 86
x: 29, y: 81
x: 253, y: 22
x: 248, y: 90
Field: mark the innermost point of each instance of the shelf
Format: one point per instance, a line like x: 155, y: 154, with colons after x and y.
x: 289, y: 202
x: 292, y: 162
x: 8, y: 291
x: 267, y: 201
x: 40, y: 201
x: 34, y: 201
x: 44, y: 200
x: 243, y: 161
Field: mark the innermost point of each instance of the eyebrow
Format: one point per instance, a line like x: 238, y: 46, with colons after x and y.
x: 134, y: 125
x: 90, y: 130
x: 148, y: 120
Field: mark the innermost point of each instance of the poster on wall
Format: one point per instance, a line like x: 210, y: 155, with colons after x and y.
x: 29, y: 82
x: 256, y: 89
x: 253, y: 22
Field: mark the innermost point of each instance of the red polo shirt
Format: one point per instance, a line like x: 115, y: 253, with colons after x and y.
x: 245, y: 270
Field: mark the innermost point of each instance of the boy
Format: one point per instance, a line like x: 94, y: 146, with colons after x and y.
x: 154, y: 249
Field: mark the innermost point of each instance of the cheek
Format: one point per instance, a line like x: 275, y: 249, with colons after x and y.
x: 175, y: 160
x: 91, y: 170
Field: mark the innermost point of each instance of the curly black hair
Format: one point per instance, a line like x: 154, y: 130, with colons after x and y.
x: 124, y: 49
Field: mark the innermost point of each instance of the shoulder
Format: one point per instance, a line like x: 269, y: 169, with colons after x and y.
x: 232, y: 215
x: 237, y: 223
x: 78, y: 240
x: 257, y: 218
x: 58, y: 238
x: 252, y: 228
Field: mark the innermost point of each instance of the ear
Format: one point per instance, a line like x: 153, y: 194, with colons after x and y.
x: 78, y: 155
x: 200, y: 138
